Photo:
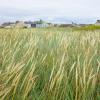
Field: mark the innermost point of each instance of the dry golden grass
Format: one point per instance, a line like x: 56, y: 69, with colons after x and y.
x: 49, y: 64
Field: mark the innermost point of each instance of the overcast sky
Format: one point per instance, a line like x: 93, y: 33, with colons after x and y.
x: 49, y: 9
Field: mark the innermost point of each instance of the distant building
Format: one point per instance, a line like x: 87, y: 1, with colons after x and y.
x: 28, y: 24
x: 40, y: 24
x: 98, y: 22
x: 8, y: 25
x: 17, y: 24
x: 20, y: 24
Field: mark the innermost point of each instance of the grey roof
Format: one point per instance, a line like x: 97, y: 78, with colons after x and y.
x: 7, y: 23
x: 28, y: 22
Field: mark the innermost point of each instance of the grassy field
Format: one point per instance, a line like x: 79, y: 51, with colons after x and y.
x: 49, y: 64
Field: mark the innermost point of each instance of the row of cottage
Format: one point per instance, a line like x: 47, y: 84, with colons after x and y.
x: 35, y: 24
x: 29, y: 24
x: 39, y: 24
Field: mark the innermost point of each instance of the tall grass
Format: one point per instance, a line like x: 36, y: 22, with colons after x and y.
x: 49, y: 64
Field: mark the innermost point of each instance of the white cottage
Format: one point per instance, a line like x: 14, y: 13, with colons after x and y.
x: 40, y: 24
